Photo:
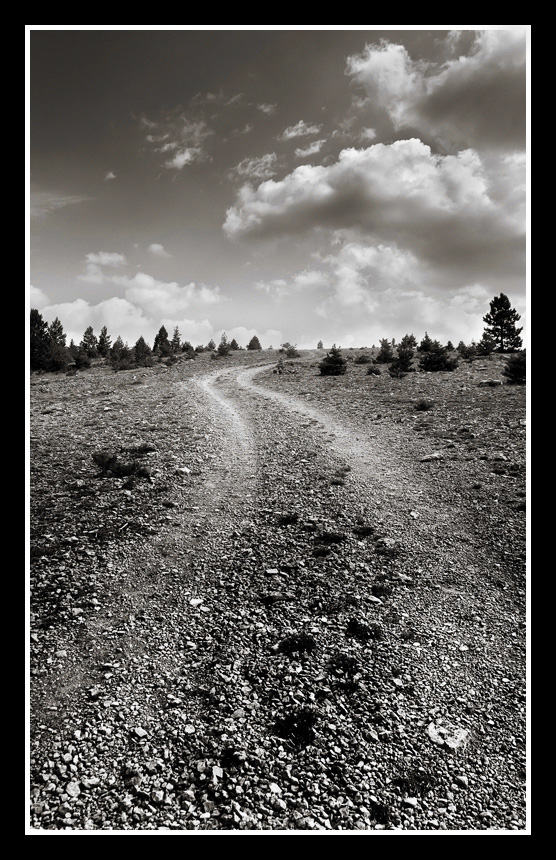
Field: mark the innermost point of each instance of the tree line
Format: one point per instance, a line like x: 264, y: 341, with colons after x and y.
x: 49, y: 352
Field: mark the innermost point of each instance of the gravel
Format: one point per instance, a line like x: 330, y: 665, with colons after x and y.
x: 258, y: 603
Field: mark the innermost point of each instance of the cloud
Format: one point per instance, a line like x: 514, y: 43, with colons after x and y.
x: 110, y: 175
x: 158, y: 250
x: 37, y: 298
x: 43, y: 203
x: 313, y: 148
x: 300, y: 129
x: 182, y: 135
x: 155, y: 298
x: 267, y: 108
x: 477, y: 99
x: 93, y: 265
x: 257, y: 168
x: 449, y: 210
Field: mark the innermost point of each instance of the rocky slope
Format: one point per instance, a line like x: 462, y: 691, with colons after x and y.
x: 277, y: 602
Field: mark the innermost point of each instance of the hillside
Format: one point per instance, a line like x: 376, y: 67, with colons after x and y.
x: 277, y: 602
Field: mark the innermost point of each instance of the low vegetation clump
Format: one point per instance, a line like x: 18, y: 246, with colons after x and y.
x: 424, y: 405
x: 297, y: 643
x: 515, y: 369
x: 373, y: 370
x: 297, y: 726
x: 437, y: 358
x: 110, y: 463
x: 334, y: 364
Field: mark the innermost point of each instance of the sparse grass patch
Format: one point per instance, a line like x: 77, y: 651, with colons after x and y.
x: 297, y: 726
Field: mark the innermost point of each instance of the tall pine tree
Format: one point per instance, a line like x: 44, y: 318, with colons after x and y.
x: 500, y: 325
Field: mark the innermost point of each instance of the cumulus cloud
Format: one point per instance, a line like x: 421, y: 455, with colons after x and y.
x: 300, y: 129
x: 158, y: 250
x: 110, y: 175
x: 182, y: 135
x: 447, y: 210
x: 95, y: 261
x: 267, y: 108
x: 156, y: 298
x: 477, y: 99
x: 37, y: 298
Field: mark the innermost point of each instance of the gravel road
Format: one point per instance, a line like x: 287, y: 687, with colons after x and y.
x: 316, y: 631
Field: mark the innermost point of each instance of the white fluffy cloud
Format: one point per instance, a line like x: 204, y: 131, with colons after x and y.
x: 312, y: 149
x: 159, y: 299
x: 477, y: 99
x: 95, y: 261
x: 448, y: 210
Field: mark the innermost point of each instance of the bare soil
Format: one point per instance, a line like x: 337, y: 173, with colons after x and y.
x: 277, y: 602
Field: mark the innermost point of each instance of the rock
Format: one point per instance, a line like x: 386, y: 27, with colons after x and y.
x: 72, y: 788
x: 139, y: 732
x: 183, y: 470
x: 457, y: 739
x: 461, y: 780
x: 436, y: 455
x: 435, y: 735
x: 490, y: 383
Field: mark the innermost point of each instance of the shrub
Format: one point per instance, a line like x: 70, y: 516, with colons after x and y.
x: 333, y: 364
x: 436, y: 358
x: 403, y: 363
x: 467, y: 352
x: 373, y: 370
x: 424, y: 405
x: 515, y: 369
x: 363, y: 358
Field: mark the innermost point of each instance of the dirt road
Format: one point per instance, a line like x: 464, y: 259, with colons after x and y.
x: 312, y: 641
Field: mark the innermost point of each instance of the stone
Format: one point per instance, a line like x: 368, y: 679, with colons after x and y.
x: 72, y: 788
x: 139, y: 732
x: 436, y: 455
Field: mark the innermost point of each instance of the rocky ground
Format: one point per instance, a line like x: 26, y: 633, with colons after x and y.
x: 277, y: 602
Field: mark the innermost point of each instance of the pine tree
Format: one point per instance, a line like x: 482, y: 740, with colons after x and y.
x: 486, y: 345
x: 161, y: 345
x: 426, y: 343
x: 408, y: 340
x: 142, y: 352
x: 403, y: 363
x: 211, y: 345
x: 39, y: 341
x: 234, y: 344
x: 319, y: 345
x: 254, y: 343
x: 223, y: 346
x: 333, y: 364
x: 501, y: 326
x: 175, y: 343
x: 104, y: 342
x: 56, y: 333
x: 436, y: 358
x: 89, y: 343
x: 385, y: 353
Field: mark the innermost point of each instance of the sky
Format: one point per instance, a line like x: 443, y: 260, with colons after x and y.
x: 339, y: 184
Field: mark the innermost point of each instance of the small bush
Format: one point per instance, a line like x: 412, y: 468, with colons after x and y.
x: 424, y: 405
x: 297, y: 643
x: 435, y: 358
x: 334, y: 364
x: 515, y: 369
x: 373, y: 370
x: 364, y: 358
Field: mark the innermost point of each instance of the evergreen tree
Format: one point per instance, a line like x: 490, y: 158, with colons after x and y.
x: 486, y: 345
x: 515, y: 369
x: 500, y: 324
x: 408, y: 340
x: 175, y: 343
x: 403, y: 363
x: 436, y: 358
x: 117, y: 347
x: 319, y: 345
x: 211, y: 345
x: 89, y: 343
x: 161, y: 345
x: 187, y: 348
x: 426, y: 343
x: 39, y: 341
x: 223, y: 346
x: 142, y: 352
x: 104, y: 342
x: 254, y: 343
x: 385, y: 353
x: 56, y: 333
x: 467, y: 351
x: 234, y: 344
x: 333, y: 364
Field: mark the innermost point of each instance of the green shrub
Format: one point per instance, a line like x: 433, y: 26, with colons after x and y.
x: 334, y: 364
